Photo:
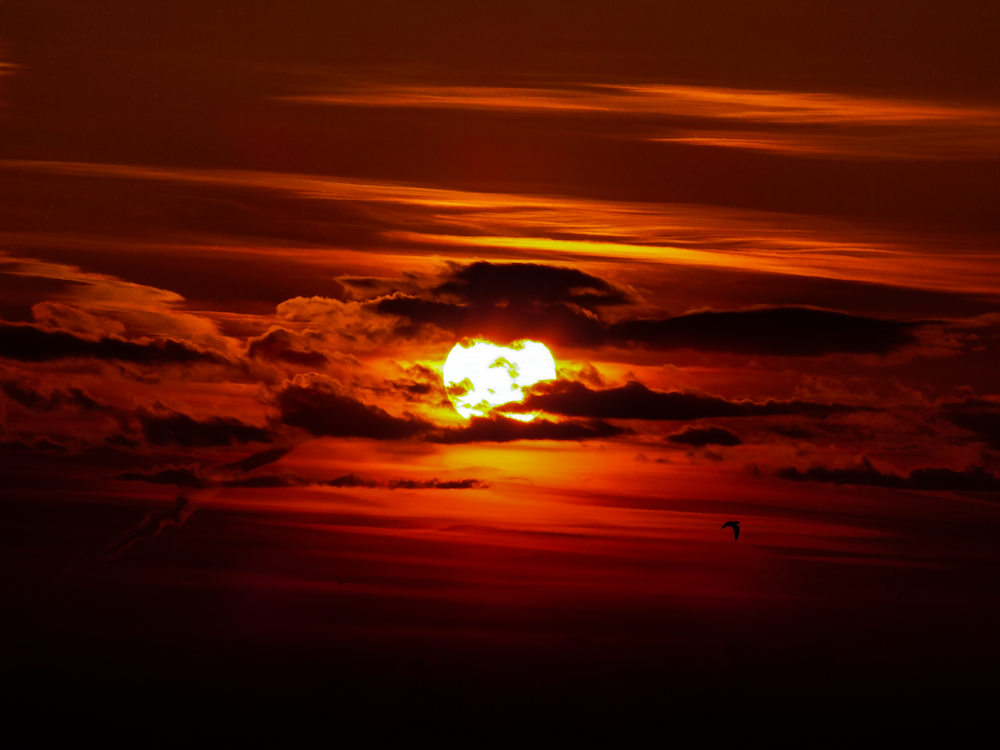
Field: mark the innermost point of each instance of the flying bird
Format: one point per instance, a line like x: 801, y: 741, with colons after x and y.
x: 735, y: 525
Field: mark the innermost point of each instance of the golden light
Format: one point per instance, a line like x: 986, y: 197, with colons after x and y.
x: 484, y: 375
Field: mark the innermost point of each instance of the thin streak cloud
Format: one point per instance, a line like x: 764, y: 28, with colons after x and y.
x: 848, y: 126
x: 428, y: 218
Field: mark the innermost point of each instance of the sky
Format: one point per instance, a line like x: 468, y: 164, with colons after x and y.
x: 238, y: 241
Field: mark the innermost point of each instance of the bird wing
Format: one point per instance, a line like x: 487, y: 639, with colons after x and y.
x: 736, y: 533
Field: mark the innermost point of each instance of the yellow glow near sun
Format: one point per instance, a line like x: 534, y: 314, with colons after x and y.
x: 484, y: 375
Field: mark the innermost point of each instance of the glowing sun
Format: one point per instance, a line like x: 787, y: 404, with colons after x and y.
x: 484, y: 375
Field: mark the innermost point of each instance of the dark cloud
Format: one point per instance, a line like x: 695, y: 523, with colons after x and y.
x: 182, y: 476
x: 194, y: 476
x: 27, y: 343
x: 702, y: 436
x: 784, y: 331
x: 499, y: 429
x: 973, y: 479
x: 437, y: 484
x: 520, y: 284
x: 635, y: 401
x: 151, y: 525
x: 36, y: 401
x: 255, y: 461
x: 553, y: 323
x: 267, y: 481
x: 350, y: 480
x: 282, y: 345
x: 164, y: 426
x: 419, y: 383
x: 776, y: 331
x: 979, y: 416
x: 317, y: 407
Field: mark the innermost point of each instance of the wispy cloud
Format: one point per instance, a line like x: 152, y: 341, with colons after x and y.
x: 796, y: 123
x: 416, y: 220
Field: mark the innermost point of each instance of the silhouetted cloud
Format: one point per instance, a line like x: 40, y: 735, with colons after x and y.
x: 702, y: 436
x: 27, y: 343
x: 194, y: 476
x: 776, y: 331
x: 255, y: 461
x: 283, y: 346
x: 182, y: 476
x: 164, y: 426
x: 635, y: 401
x: 151, y: 525
x: 350, y: 480
x: 519, y: 284
x: 418, y: 383
x: 40, y: 444
x: 36, y: 401
x: 786, y: 331
x: 973, y: 479
x: 437, y: 484
x: 317, y: 406
x: 499, y: 429
x: 979, y: 416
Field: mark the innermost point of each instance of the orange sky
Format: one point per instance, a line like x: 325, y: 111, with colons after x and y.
x: 238, y: 242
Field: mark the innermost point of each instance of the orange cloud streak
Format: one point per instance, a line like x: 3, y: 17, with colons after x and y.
x: 612, y: 230
x: 856, y: 126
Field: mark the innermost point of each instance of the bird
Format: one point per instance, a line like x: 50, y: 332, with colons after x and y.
x: 736, y: 528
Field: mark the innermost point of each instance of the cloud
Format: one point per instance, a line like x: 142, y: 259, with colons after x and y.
x: 28, y: 343
x: 499, y: 429
x: 350, y: 480
x: 973, y: 479
x: 979, y: 416
x: 282, y: 345
x: 782, y: 331
x: 635, y: 401
x: 151, y: 525
x: 801, y: 123
x: 196, y: 477
x: 702, y: 436
x: 255, y: 461
x: 182, y: 476
x: 545, y: 311
x: 36, y: 401
x: 355, y: 481
x: 74, y: 320
x: 418, y: 383
x: 39, y: 443
x: 519, y: 284
x: 164, y: 426
x: 317, y: 406
x: 437, y: 484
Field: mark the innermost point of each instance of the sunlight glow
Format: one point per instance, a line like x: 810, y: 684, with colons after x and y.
x: 484, y: 375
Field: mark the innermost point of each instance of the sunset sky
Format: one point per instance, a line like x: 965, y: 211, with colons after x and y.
x: 238, y: 241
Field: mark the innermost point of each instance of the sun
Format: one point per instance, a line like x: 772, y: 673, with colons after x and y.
x: 484, y: 375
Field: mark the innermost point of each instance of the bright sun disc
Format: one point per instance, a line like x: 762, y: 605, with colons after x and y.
x: 484, y: 375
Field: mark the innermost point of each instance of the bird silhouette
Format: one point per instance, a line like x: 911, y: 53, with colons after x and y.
x: 735, y: 525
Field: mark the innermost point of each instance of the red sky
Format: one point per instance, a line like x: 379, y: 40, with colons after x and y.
x: 238, y: 241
